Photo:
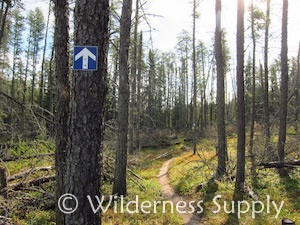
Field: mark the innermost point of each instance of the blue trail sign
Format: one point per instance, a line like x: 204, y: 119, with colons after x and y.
x: 85, y: 58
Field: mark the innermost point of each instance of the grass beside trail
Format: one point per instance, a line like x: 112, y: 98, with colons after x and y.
x: 142, y: 183
x: 186, y: 172
x: 220, y: 201
x: 146, y: 190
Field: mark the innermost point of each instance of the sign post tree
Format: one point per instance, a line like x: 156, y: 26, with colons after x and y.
x: 88, y: 89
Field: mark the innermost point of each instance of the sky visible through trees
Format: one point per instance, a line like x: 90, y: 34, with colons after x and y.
x: 169, y: 17
x: 166, y: 19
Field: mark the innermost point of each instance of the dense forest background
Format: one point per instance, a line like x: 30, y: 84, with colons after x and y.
x: 163, y: 88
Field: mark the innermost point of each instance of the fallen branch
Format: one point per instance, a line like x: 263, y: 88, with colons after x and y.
x: 24, y: 106
x: 137, y: 183
x: 134, y: 174
x: 28, y: 172
x: 35, y: 182
x: 163, y: 155
x: 278, y: 164
x: 8, y: 159
x: 5, y: 220
x: 50, y: 195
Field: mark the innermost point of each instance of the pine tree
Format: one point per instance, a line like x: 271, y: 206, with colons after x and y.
x: 36, y: 27
x: 221, y: 169
x: 120, y: 184
x: 240, y: 170
x: 61, y: 42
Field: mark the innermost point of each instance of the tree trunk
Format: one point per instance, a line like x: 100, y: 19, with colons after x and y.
x: 194, y: 119
x: 51, y: 88
x: 253, y: 113
x: 42, y: 77
x: 3, y: 16
x: 120, y: 184
x: 132, y: 133
x: 221, y: 169
x: 61, y: 41
x: 139, y: 86
x: 266, y: 83
x: 84, y: 164
x: 3, y: 180
x: 297, y: 93
x: 240, y: 171
x: 283, y: 84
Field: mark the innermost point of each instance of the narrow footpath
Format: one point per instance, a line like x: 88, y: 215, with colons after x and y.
x: 169, y: 193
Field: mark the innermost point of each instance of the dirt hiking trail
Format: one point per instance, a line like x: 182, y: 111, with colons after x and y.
x: 169, y: 193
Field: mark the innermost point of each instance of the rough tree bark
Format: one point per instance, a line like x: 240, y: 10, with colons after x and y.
x: 61, y: 49
x: 87, y: 109
x: 120, y: 184
x: 221, y: 169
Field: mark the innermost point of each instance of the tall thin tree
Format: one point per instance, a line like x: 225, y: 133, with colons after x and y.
x: 194, y: 119
x: 253, y: 108
x: 61, y: 48
x: 283, y: 83
x: 120, y: 184
x: 297, y: 92
x: 132, y: 130
x: 42, y: 76
x: 266, y: 82
x: 221, y: 169
x: 139, y: 86
x: 240, y: 170
x: 5, y: 5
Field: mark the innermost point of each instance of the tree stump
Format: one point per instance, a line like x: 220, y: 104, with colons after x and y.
x: 3, y: 181
x: 286, y: 221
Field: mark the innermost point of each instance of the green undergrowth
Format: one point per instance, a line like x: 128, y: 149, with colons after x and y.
x: 21, y: 205
x: 189, y: 174
x: 145, y: 165
x: 192, y: 177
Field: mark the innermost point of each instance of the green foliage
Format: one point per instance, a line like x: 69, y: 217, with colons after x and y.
x: 24, y: 148
x: 40, y: 218
x: 147, y: 189
x: 186, y: 174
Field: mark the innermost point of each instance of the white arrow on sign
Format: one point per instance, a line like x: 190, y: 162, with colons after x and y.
x: 85, y: 54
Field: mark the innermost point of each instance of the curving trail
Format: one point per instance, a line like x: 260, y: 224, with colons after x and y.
x: 169, y: 193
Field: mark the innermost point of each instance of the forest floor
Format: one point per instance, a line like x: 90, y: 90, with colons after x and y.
x: 163, y: 183
x: 219, y: 203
